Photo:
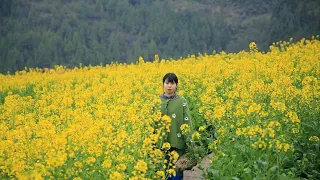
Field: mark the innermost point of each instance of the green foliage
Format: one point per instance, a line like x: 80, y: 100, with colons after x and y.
x: 306, y: 160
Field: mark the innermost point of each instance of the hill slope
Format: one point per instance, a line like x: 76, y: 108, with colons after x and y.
x: 45, y: 33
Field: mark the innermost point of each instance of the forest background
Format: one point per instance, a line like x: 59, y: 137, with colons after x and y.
x: 45, y: 33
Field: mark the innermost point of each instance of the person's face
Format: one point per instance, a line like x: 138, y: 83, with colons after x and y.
x: 169, y: 87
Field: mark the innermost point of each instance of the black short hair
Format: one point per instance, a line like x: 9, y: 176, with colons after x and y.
x: 171, y: 78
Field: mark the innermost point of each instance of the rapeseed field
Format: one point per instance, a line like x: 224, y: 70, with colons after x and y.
x: 102, y: 122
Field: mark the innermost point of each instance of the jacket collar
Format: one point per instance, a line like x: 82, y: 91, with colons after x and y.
x: 175, y: 96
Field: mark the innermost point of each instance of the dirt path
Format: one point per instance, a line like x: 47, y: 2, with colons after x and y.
x: 196, y: 172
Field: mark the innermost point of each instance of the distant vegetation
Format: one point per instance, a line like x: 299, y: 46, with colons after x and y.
x: 45, y: 33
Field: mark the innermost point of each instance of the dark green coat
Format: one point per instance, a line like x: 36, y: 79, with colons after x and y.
x: 176, y: 107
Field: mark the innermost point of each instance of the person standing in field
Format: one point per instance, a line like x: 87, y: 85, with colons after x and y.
x: 176, y: 107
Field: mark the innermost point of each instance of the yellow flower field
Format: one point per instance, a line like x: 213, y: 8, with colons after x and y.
x: 96, y: 121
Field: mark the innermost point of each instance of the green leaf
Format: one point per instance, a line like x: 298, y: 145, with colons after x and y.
x: 213, y: 172
x: 247, y: 170
x: 274, y: 168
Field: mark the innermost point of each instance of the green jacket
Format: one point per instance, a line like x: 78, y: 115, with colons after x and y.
x: 176, y: 107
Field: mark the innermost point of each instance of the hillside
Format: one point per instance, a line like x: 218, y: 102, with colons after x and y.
x: 45, y: 33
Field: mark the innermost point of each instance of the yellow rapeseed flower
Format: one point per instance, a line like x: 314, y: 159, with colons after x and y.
x: 196, y: 136
x: 166, y: 146
x: 141, y: 166
x: 185, y: 128
x: 115, y: 176
x: 202, y: 128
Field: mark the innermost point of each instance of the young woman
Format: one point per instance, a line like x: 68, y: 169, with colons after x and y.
x: 176, y: 107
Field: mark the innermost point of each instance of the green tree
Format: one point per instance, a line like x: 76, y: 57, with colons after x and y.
x: 114, y: 48
x: 284, y: 20
x: 14, y: 60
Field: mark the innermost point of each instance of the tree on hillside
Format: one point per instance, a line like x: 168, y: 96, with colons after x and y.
x: 114, y: 48
x: 46, y: 33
